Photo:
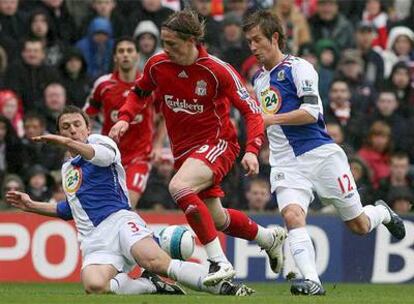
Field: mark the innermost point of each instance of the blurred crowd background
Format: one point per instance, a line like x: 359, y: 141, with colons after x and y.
x: 51, y: 51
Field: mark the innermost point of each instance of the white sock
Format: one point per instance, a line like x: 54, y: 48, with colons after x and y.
x: 377, y: 215
x: 303, y: 253
x: 123, y: 284
x: 191, y: 275
x: 264, y: 237
x: 215, y: 252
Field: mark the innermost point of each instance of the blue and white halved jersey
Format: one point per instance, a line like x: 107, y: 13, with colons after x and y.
x: 94, y: 188
x: 279, y: 91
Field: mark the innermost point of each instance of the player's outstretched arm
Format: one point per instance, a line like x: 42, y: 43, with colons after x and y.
x: 77, y: 147
x: 24, y: 202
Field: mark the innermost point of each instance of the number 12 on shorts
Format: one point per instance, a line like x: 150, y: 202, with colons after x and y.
x: 345, y: 183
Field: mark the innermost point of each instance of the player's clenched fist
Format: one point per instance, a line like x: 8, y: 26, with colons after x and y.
x: 250, y: 163
x: 118, y: 130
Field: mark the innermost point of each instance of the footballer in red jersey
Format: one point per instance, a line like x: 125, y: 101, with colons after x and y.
x: 196, y: 91
x: 107, y: 97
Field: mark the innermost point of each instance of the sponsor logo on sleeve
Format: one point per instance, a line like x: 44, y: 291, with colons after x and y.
x: 307, y: 86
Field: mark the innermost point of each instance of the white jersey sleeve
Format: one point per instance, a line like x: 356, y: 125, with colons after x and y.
x: 306, y: 81
x: 106, y: 150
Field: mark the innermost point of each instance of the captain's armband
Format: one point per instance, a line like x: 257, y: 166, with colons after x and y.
x: 309, y: 99
x: 141, y: 93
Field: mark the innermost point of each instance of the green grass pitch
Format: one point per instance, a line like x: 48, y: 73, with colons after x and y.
x: 265, y: 293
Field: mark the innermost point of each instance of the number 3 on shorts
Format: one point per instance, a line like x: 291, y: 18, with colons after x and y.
x: 134, y: 227
x: 345, y: 183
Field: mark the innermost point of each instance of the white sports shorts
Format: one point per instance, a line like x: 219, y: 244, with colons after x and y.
x: 111, y: 241
x: 324, y: 170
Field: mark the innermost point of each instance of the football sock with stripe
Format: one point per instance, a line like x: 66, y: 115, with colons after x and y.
x: 303, y: 253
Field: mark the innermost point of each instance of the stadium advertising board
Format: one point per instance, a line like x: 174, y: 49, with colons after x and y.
x: 37, y: 248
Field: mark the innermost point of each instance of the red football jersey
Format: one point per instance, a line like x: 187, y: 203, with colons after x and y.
x: 195, y: 101
x: 108, y: 95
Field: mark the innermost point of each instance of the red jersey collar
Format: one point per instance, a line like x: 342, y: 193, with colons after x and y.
x: 202, y: 52
x: 115, y: 75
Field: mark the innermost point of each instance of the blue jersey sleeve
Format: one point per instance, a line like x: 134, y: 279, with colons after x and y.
x: 63, y: 211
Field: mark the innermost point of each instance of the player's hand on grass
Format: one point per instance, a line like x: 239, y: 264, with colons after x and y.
x: 52, y: 139
x: 118, y: 130
x: 250, y: 163
x: 19, y: 200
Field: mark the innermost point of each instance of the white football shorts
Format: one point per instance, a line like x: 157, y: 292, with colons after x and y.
x: 111, y: 241
x: 324, y: 170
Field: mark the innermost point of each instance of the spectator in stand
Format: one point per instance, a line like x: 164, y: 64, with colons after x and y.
x: 233, y: 45
x: 294, y: 23
x: 74, y: 77
x: 39, y: 184
x: 400, y: 47
x: 386, y: 110
x: 148, y: 10
x: 30, y: 76
x: 63, y: 23
x: 362, y: 178
x: 249, y: 68
x: 373, y: 62
x: 401, y: 200
x: 239, y: 7
x: 258, y: 195
x: 352, y: 10
x: 399, y: 175
x: 328, y: 56
x: 11, y: 107
x: 400, y: 83
x: 58, y: 194
x: 11, y: 182
x: 328, y: 23
x: 377, y: 150
x: 407, y: 17
x: 156, y: 195
x: 3, y: 64
x: 105, y: 9
x: 375, y: 15
x: 55, y: 101
x: 11, y: 157
x: 307, y: 52
x: 340, y: 110
x: 213, y: 27
x: 39, y: 24
x: 48, y: 156
x: 336, y: 132
x: 96, y: 47
x: 13, y: 22
x: 351, y: 69
x: 147, y: 37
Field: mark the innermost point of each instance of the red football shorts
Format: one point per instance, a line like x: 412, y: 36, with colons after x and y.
x: 219, y: 156
x: 137, y: 176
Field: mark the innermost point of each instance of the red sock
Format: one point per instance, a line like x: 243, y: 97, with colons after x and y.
x: 240, y: 225
x: 197, y: 215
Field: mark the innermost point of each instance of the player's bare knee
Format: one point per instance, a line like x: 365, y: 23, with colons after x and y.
x: 176, y: 184
x: 294, y: 216
x: 96, y: 286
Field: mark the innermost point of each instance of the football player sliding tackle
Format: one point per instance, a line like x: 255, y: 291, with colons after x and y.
x: 113, y: 239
